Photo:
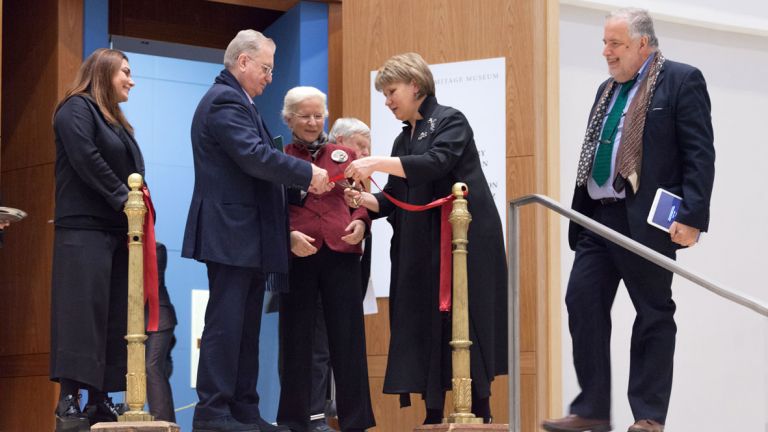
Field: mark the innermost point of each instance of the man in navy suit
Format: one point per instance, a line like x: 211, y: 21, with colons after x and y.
x: 650, y: 128
x: 237, y: 225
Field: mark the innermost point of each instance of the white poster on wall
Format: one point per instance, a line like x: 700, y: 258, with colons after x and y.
x: 477, y: 88
x: 199, y: 303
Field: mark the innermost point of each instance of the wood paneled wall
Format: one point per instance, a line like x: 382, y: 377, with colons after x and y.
x: 191, y: 22
x: 37, y: 67
x: 363, y: 34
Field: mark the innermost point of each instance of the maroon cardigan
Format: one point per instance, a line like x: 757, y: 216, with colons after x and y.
x: 324, y: 217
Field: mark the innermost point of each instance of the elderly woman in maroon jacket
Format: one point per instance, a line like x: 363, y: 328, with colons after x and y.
x: 325, y: 241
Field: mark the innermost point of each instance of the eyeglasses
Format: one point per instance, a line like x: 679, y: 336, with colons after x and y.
x: 269, y: 70
x: 306, y: 118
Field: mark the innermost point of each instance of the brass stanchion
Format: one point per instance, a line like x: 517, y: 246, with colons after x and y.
x: 136, y: 378
x: 462, y: 382
x: 461, y: 419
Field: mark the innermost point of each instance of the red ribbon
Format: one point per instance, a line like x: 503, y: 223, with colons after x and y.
x: 151, y: 280
x: 445, y: 239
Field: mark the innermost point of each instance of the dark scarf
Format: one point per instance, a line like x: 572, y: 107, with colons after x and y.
x: 312, y: 147
x: 629, y: 157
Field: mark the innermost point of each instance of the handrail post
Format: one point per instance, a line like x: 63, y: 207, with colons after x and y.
x: 462, y: 381
x: 136, y: 376
x: 513, y: 316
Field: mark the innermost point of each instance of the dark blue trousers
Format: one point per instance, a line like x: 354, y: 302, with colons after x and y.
x: 597, y: 269
x: 229, y: 353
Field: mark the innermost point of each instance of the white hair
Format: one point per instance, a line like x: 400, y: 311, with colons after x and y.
x: 639, y: 23
x: 298, y: 95
x: 249, y: 41
x: 348, y: 126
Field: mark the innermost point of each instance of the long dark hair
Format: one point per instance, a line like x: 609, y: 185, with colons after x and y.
x: 94, y: 79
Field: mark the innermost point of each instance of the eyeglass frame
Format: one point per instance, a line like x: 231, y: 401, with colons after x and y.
x: 269, y: 70
x: 306, y: 117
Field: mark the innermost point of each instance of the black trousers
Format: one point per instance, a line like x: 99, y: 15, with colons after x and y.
x: 321, y: 363
x: 229, y: 353
x: 159, y: 394
x: 89, y: 307
x: 336, y: 278
x: 598, y: 267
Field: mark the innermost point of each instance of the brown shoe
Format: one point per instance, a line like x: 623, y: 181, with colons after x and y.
x: 574, y: 423
x: 646, y: 426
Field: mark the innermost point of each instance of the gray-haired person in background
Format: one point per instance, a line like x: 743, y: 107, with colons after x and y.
x: 353, y: 133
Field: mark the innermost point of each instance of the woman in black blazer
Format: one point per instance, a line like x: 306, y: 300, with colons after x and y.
x: 95, y: 154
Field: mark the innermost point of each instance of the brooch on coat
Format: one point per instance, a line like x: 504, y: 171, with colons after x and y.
x: 339, y: 156
x: 432, y: 123
x: 422, y: 135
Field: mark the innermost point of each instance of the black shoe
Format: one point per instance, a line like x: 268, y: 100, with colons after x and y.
x: 319, y: 425
x: 104, y: 411
x: 265, y: 426
x: 69, y: 418
x: 223, y: 424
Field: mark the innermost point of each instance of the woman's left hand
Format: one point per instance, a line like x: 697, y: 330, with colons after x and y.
x: 356, y: 230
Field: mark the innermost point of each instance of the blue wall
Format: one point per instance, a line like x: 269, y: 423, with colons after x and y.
x: 301, y: 36
x: 95, y: 25
x: 160, y: 108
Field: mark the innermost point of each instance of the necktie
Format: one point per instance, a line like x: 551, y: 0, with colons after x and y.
x: 602, y: 166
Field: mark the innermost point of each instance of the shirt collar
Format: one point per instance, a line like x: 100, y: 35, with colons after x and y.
x: 426, y: 108
x: 644, y: 68
x: 247, y: 96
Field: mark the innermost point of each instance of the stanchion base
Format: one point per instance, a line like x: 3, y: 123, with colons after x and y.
x: 459, y: 427
x: 135, y: 416
x: 136, y: 426
x: 463, y: 419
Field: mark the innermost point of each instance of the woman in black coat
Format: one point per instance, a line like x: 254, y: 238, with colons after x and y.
x: 435, y: 150
x: 95, y: 154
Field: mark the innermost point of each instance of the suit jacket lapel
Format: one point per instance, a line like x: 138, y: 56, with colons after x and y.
x: 130, y: 143
x: 265, y: 131
x: 661, y: 76
x: 133, y: 147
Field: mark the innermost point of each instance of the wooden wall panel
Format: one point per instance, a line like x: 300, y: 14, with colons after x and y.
x: 387, y: 412
x: 31, y: 401
x: 377, y: 329
x: 548, y: 173
x: 445, y: 31
x: 335, y: 61
x: 32, y: 68
x: 25, y: 262
x: 1, y: 86
x: 520, y: 181
x: 201, y: 23
x: 36, y: 74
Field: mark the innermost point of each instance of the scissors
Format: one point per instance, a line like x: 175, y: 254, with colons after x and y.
x: 350, y: 183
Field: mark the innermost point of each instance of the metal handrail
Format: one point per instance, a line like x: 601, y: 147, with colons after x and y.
x: 513, y: 251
